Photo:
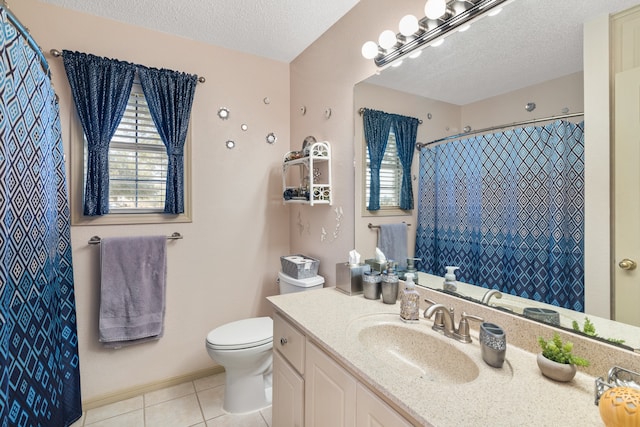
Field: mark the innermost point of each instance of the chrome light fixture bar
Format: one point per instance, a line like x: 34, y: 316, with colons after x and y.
x: 454, y: 19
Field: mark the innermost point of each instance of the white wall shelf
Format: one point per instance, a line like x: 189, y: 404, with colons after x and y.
x: 309, y: 182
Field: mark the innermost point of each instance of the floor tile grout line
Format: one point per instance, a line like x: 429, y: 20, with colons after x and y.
x: 200, y: 405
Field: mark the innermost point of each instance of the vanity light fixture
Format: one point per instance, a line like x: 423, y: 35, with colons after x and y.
x: 442, y: 18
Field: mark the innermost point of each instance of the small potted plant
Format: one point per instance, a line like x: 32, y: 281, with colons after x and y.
x: 556, y: 360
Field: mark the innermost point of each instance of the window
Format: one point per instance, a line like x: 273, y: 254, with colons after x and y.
x: 137, y: 161
x: 137, y: 171
x: 390, y: 176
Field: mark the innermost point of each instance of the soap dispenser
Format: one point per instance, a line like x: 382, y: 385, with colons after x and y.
x: 450, y: 279
x: 410, y: 303
x: 390, y: 284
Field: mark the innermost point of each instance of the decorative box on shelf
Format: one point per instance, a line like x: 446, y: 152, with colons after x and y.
x: 309, y: 182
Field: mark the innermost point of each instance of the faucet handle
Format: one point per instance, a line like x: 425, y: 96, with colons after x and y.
x: 438, y: 320
x: 463, y: 328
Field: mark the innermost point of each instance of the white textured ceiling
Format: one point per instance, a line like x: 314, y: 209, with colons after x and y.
x: 529, y: 42
x: 275, y: 29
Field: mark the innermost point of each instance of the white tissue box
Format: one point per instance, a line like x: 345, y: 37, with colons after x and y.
x: 349, y: 277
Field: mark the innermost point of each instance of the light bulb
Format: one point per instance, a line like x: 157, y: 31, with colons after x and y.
x: 434, y: 9
x: 370, y: 50
x: 408, y: 25
x: 387, y: 39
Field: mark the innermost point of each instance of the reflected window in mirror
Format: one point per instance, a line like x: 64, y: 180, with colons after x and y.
x: 390, y: 176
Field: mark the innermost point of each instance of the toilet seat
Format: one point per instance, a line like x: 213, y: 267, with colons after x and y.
x: 241, y: 334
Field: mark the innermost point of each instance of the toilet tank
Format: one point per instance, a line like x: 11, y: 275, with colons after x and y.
x: 288, y: 284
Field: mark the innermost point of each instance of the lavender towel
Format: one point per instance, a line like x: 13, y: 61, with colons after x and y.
x: 392, y: 241
x: 132, y: 289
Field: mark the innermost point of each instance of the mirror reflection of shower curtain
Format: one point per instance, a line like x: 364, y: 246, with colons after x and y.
x: 508, y: 209
x: 40, y: 381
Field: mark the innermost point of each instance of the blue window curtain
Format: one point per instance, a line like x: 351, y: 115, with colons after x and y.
x: 406, y: 130
x: 377, y: 125
x: 100, y: 89
x: 508, y: 209
x: 169, y: 95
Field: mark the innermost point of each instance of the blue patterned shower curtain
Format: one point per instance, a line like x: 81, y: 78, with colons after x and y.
x: 40, y: 382
x: 508, y: 209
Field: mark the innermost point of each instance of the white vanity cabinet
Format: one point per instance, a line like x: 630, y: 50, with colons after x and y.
x: 311, y: 389
x: 371, y: 411
x: 288, y: 371
x: 330, y: 391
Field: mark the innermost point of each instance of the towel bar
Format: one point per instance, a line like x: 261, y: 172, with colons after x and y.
x: 377, y: 226
x: 95, y: 240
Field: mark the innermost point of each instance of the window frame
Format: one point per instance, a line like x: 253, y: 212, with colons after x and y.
x: 120, y: 216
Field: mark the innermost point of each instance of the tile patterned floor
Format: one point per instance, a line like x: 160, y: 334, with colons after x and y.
x: 191, y: 404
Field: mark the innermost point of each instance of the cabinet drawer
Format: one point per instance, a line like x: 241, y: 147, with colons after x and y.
x: 289, y: 342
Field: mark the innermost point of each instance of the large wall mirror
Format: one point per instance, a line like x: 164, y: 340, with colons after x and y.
x: 532, y: 52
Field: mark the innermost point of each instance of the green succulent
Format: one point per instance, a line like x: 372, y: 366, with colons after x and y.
x: 557, y: 351
x: 590, y: 329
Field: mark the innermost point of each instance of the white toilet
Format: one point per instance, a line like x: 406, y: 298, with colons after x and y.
x: 244, y: 349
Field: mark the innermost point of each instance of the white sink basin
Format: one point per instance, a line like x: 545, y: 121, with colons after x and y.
x: 413, y: 350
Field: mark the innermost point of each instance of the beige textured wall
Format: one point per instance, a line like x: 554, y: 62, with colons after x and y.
x: 228, y: 261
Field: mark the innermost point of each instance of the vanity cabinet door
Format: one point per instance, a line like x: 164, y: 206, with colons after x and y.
x: 288, y: 394
x: 330, y: 391
x: 374, y: 412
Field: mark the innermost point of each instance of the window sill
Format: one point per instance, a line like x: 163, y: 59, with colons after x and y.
x: 386, y: 212
x: 130, y: 218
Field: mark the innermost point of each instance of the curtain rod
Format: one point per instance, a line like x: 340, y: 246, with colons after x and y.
x: 419, y: 145
x: 361, y: 111
x: 25, y: 32
x: 58, y: 54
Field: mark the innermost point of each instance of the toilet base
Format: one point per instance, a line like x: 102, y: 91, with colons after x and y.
x: 246, y: 393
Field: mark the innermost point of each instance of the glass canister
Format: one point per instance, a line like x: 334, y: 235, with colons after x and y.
x: 371, y: 284
x: 390, y: 282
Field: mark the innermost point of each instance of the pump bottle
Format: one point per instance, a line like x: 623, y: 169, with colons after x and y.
x: 410, y: 303
x: 450, y: 279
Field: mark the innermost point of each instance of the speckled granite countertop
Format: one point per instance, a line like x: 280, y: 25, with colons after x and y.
x: 515, y: 395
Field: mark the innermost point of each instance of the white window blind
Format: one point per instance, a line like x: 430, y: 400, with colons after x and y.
x: 390, y: 175
x: 137, y: 161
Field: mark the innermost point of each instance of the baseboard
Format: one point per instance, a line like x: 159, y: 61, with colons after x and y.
x: 146, y: 388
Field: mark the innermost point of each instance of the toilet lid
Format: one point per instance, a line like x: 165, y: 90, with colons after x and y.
x: 243, y: 333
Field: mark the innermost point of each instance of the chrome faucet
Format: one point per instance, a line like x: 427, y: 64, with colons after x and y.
x: 491, y: 292
x: 445, y: 321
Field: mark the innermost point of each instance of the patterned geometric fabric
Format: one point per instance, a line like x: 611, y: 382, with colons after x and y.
x: 508, y: 209
x: 169, y: 95
x: 100, y: 89
x: 40, y: 378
